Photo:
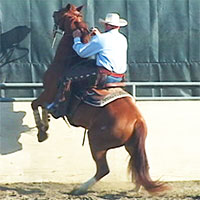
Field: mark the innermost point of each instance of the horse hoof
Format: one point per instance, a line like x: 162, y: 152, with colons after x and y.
x: 42, y: 136
x: 137, y: 188
x: 78, y: 192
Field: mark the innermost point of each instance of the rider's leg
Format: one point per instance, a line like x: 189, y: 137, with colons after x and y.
x: 112, y: 79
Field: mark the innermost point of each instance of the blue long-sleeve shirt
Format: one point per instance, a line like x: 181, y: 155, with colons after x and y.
x: 110, y: 49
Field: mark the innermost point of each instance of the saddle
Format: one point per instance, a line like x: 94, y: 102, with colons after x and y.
x: 96, y: 98
x: 92, y: 96
x: 101, y: 97
x: 89, y: 88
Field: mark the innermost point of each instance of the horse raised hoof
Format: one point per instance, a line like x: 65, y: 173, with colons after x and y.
x: 42, y: 136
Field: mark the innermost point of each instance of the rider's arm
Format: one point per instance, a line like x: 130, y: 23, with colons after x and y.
x: 86, y: 50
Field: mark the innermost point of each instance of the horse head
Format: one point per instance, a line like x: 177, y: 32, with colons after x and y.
x: 69, y: 19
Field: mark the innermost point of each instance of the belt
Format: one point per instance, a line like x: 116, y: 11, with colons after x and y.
x: 102, y: 70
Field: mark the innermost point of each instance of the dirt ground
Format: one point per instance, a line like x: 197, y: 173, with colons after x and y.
x: 189, y: 190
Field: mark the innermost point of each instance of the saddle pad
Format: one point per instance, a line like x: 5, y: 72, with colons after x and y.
x: 102, y: 97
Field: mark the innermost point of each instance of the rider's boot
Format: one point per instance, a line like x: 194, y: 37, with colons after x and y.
x: 59, y: 107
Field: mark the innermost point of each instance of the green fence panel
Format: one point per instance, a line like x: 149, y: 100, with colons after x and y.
x: 163, y: 37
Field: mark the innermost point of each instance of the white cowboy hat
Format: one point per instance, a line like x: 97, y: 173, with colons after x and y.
x: 114, y: 20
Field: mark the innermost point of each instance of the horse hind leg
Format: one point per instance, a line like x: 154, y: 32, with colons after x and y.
x: 138, y: 165
x: 102, y: 170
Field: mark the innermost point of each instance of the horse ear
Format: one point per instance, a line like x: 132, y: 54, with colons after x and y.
x: 79, y: 8
x: 68, y: 6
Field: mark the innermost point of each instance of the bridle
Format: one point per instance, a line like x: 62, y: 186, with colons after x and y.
x: 55, y: 31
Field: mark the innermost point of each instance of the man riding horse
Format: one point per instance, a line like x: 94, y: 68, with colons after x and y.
x: 110, y: 50
x: 111, y: 122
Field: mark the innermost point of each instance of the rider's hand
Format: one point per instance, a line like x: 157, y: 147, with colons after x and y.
x: 95, y: 31
x: 77, y: 33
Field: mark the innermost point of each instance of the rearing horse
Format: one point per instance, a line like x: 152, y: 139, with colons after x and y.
x: 117, y: 124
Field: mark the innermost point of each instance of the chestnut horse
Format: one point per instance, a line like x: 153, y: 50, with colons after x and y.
x: 117, y: 124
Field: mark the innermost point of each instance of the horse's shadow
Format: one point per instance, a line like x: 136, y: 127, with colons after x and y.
x: 22, y: 191
x: 10, y: 49
x: 11, y: 127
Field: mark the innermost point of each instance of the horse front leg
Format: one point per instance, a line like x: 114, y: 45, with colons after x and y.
x: 45, y: 118
x: 42, y: 124
x: 51, y: 78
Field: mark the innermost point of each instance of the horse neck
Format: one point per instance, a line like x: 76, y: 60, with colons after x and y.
x: 64, y: 49
x: 65, y: 56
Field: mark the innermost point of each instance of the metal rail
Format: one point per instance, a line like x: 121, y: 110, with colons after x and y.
x: 134, y: 86
x: 20, y: 85
x: 160, y: 85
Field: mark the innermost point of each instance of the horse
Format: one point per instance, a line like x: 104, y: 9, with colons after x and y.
x: 117, y: 124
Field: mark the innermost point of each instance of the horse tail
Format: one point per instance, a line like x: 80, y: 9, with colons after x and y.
x: 138, y: 165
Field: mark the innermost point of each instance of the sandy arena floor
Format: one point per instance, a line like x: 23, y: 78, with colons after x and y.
x: 102, y: 191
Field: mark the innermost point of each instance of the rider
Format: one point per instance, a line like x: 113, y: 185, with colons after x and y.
x: 110, y: 48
